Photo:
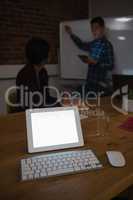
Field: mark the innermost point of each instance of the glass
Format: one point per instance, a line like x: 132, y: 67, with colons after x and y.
x: 103, y: 125
x: 98, y: 122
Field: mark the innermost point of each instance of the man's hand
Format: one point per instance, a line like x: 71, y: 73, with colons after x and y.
x: 87, y: 60
x: 68, y: 29
x: 90, y: 61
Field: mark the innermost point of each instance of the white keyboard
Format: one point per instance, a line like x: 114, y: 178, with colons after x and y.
x: 61, y: 163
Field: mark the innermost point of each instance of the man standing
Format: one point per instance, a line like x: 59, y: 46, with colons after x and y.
x: 101, y: 57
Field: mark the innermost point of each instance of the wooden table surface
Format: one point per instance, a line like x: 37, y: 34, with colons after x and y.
x: 100, y: 184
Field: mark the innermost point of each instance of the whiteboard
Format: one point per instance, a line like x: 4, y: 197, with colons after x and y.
x: 119, y: 32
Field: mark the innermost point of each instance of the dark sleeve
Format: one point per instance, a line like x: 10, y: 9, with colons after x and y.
x: 45, y: 82
x: 79, y: 43
x: 19, y: 84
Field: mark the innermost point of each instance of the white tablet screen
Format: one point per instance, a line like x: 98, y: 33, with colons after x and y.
x: 54, y: 128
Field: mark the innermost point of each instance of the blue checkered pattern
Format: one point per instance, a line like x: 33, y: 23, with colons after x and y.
x: 101, y: 51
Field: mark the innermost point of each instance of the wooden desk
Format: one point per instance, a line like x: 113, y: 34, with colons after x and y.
x: 93, y: 185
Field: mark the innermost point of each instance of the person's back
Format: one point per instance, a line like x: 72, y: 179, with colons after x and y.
x: 27, y: 81
x: 32, y: 80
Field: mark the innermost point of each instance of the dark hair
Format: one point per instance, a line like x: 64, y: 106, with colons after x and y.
x: 98, y: 20
x: 36, y: 50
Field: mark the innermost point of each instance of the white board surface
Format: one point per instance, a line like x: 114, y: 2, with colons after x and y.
x: 119, y: 32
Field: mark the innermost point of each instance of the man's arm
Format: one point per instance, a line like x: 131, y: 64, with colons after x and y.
x: 79, y: 43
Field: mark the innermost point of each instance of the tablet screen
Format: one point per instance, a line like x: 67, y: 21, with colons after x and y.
x: 53, y: 128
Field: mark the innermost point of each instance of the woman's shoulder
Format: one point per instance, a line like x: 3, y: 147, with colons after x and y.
x: 24, y: 73
x: 44, y: 71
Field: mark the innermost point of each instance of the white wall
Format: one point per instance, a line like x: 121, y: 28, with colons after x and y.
x: 8, y: 75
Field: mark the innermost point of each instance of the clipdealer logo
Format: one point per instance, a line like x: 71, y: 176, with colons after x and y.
x: 27, y: 98
x: 123, y: 92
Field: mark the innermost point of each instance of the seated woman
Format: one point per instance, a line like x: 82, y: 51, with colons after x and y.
x: 32, y: 80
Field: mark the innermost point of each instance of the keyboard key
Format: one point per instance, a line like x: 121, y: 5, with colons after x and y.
x: 60, y: 171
